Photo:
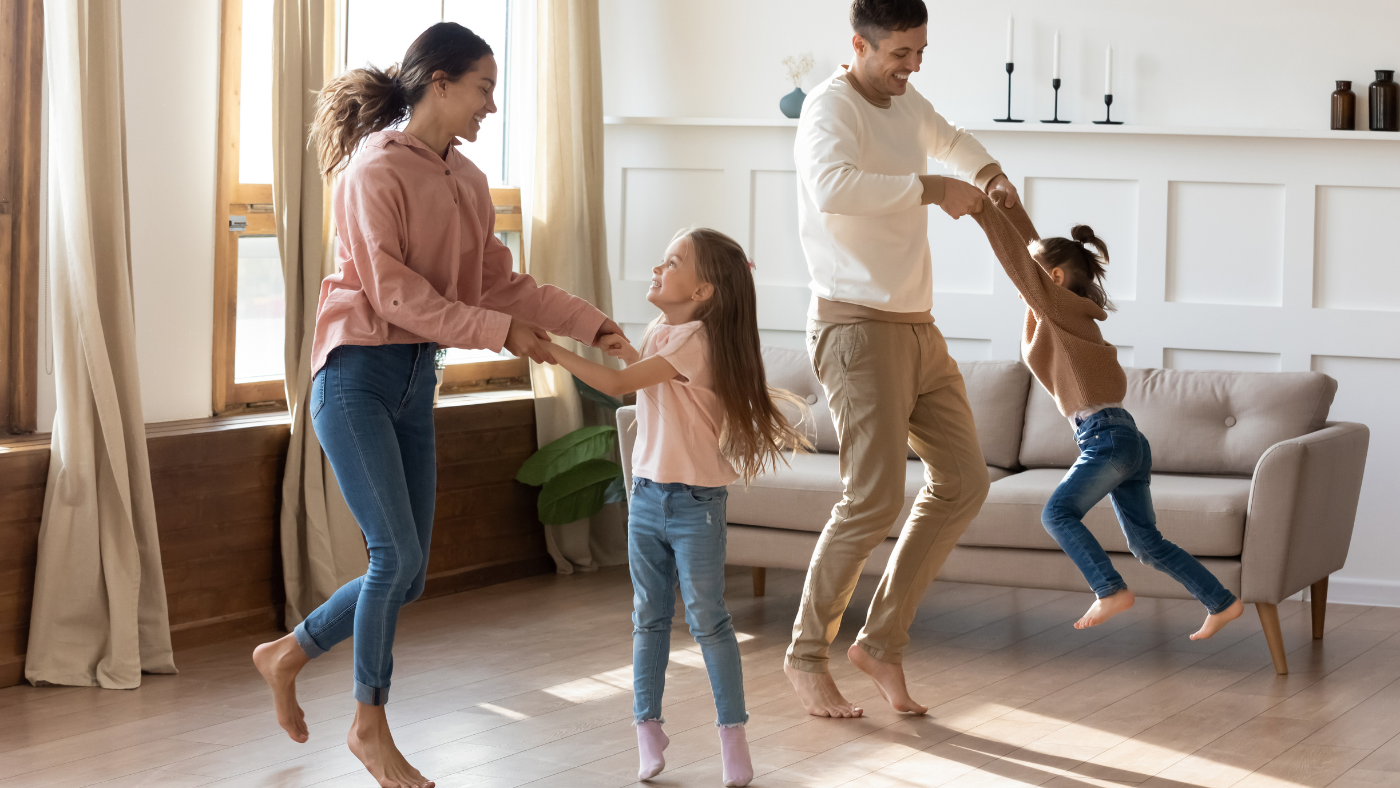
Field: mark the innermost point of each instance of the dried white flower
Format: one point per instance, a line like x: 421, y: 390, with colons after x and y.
x: 797, y: 67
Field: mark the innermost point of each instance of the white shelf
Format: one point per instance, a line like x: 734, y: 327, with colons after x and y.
x: 1036, y: 127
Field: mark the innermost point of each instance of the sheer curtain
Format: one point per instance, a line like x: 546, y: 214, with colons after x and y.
x: 322, y: 548
x: 99, y: 614
x: 567, y: 245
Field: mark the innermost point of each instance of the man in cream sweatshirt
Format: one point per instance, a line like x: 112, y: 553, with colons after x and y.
x: 862, y: 152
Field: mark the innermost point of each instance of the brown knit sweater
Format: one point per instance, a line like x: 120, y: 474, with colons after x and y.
x: 1061, y: 344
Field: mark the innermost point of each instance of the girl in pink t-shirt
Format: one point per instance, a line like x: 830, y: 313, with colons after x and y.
x: 705, y: 418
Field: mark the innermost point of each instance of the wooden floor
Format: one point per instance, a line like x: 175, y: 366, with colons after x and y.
x: 529, y: 683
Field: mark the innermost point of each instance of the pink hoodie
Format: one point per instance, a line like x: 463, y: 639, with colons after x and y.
x: 419, y: 260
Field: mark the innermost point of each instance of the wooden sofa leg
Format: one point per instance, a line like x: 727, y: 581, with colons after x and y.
x: 760, y: 580
x: 1268, y: 617
x: 1319, y: 607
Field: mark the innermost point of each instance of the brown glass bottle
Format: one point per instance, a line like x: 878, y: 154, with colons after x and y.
x: 1385, y: 102
x: 1343, y: 107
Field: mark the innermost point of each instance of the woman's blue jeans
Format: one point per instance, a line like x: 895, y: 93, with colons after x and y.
x: 1116, y: 460
x: 372, y: 408
x: 677, y: 531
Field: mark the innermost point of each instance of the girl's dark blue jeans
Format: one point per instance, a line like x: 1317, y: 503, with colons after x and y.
x: 1116, y: 460
x: 372, y: 408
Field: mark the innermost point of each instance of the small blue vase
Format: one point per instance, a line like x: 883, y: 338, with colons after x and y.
x: 791, y: 104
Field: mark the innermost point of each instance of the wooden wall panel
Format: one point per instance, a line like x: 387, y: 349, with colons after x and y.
x: 217, y: 487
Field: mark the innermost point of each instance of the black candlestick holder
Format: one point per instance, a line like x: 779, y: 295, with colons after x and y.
x: 1055, y: 83
x: 1010, y: 67
x: 1108, y: 112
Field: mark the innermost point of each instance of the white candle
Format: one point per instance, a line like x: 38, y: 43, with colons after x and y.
x: 1108, y: 72
x: 1056, y: 75
x: 1010, y: 39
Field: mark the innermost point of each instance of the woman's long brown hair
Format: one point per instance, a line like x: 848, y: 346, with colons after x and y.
x: 365, y: 100
x: 755, y: 431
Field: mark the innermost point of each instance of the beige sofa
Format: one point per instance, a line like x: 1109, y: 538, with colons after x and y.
x: 1248, y: 476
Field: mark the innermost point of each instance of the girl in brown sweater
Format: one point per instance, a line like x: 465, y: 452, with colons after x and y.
x: 1061, y: 281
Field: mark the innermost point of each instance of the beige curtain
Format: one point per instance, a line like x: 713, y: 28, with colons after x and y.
x: 567, y: 242
x: 322, y: 547
x: 99, y: 614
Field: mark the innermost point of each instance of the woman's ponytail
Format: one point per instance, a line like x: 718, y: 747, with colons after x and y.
x: 362, y: 101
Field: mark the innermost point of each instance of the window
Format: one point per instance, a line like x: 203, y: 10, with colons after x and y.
x: 21, y: 59
x: 249, y: 309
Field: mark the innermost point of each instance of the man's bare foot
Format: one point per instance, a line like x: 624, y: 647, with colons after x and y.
x: 1105, y: 608
x: 1216, y: 622
x: 370, y: 741
x: 279, y: 662
x: 888, y: 678
x: 819, y: 695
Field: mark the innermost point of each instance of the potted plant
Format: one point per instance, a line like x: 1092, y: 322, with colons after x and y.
x: 439, y: 364
x: 575, y: 476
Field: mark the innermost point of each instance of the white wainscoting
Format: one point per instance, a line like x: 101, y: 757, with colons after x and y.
x: 1247, y: 250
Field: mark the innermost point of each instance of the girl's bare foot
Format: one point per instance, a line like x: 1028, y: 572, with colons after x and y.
x: 888, y: 678
x: 819, y: 695
x: 279, y: 662
x: 1105, y: 608
x: 1216, y: 622
x: 370, y: 741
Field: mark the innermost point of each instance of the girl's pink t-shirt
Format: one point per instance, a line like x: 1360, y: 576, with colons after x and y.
x: 679, y: 421
x: 418, y: 259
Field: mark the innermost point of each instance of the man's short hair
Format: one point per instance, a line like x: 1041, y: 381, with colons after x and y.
x: 874, y: 20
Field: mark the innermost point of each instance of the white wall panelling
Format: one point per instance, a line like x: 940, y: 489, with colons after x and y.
x: 1239, y: 217
x: 657, y: 202
x: 1109, y: 206
x: 1225, y: 243
x: 1232, y: 360
x: 1358, y: 261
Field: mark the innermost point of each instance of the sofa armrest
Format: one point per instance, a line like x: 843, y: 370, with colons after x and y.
x: 626, y: 436
x: 1302, y: 506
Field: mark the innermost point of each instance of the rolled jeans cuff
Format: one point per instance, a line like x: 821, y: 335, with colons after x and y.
x: 1229, y: 600
x: 1112, y: 589
x: 370, y: 696
x: 307, y: 643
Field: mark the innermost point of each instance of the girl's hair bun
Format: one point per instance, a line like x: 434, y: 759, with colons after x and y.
x: 1082, y: 233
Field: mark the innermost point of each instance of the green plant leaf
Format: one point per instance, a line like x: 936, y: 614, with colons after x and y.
x: 594, y: 395
x: 578, y: 492
x: 557, y: 456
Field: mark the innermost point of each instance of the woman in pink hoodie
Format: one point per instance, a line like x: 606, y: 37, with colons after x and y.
x: 419, y: 266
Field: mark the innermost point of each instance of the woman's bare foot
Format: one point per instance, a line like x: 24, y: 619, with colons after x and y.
x: 1216, y: 622
x: 1105, y: 608
x: 279, y: 662
x: 888, y: 678
x: 819, y: 695
x: 370, y: 741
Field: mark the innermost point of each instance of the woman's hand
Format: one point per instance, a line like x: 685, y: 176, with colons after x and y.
x: 617, y: 346
x: 527, y: 341
x: 607, y: 329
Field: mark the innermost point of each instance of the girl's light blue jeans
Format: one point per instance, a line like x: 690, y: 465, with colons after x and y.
x: 1116, y: 460
x: 677, y: 532
x: 372, y: 409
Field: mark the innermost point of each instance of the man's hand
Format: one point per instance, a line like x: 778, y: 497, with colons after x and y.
x: 960, y: 198
x: 609, y: 328
x: 527, y: 341
x: 617, y: 346
x: 1003, y: 184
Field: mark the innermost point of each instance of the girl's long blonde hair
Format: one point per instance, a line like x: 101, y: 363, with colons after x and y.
x: 755, y: 431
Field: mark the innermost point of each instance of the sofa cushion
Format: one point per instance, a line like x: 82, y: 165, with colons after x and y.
x: 1204, y: 515
x: 800, y: 497
x: 997, y: 391
x: 1217, y: 423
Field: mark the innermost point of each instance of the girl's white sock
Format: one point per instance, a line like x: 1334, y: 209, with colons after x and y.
x: 651, y: 746
x: 734, y: 751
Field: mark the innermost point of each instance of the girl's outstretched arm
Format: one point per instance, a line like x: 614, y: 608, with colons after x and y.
x: 614, y: 382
